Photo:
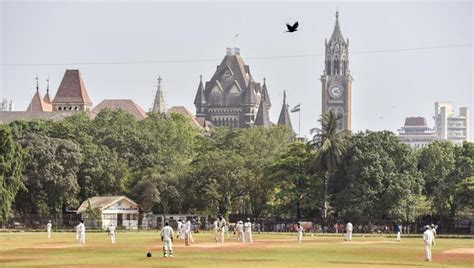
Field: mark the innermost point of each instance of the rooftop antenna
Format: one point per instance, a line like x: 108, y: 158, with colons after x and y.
x: 47, y: 85
x: 235, y: 38
x: 37, y: 85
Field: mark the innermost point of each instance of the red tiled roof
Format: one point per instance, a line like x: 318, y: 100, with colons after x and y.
x: 38, y: 105
x: 182, y: 110
x: 72, y: 89
x: 125, y: 105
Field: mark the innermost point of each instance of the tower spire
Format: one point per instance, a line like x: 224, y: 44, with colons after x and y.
x: 37, y: 85
x: 47, y: 85
x: 284, y: 118
x: 159, y: 104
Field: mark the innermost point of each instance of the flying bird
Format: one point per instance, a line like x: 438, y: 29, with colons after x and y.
x: 293, y: 28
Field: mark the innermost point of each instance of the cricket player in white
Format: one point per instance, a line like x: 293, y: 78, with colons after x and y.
x: 428, y: 239
x: 81, y: 231
x: 239, y: 230
x: 48, y: 228
x: 167, y: 238
x: 182, y: 231
x: 221, y: 223
x: 111, y: 230
x: 349, y: 228
x: 299, y: 231
x: 248, y: 231
x: 433, y: 229
x: 188, y: 237
x: 180, y: 225
x: 398, y: 228
x: 214, y: 230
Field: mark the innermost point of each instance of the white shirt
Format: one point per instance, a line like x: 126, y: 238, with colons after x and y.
x: 48, y: 226
x: 81, y: 228
x: 188, y: 226
x: 299, y: 229
x: 239, y: 227
x: 349, y: 227
x: 167, y: 233
x: 248, y: 226
x: 215, y: 225
x: 111, y: 229
x: 428, y: 236
x: 221, y: 224
x: 179, y: 225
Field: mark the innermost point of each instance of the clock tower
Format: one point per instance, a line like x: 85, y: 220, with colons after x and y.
x: 336, y: 79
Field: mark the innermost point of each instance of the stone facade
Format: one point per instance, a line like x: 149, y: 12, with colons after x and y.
x: 416, y: 133
x: 336, y: 79
x: 232, y: 97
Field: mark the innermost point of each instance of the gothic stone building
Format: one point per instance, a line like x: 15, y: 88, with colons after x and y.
x: 336, y: 79
x: 232, y: 97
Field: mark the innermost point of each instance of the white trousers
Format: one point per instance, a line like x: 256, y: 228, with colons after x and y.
x: 398, y: 236
x: 300, y: 237
x: 240, y: 236
x: 349, y: 235
x: 220, y: 236
x: 49, y: 233
x: 167, y: 246
x: 248, y: 237
x: 82, y: 238
x: 112, y: 237
x: 428, y: 251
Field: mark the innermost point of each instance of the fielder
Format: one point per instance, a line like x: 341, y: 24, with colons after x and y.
x: 349, y: 228
x: 221, y: 223
x: 299, y: 232
x: 248, y: 231
x: 239, y: 230
x: 188, y: 237
x: 428, y: 239
x: 48, y: 228
x: 81, y: 233
x: 111, y: 230
x: 214, y: 230
x: 180, y: 225
x: 433, y: 229
x: 167, y: 238
x: 182, y: 231
x: 398, y: 229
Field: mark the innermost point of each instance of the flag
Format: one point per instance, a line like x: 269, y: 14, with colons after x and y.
x: 296, y: 108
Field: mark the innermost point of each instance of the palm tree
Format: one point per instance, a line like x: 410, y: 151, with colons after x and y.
x: 331, y: 144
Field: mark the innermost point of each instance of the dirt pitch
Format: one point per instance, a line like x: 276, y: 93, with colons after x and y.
x: 268, y: 250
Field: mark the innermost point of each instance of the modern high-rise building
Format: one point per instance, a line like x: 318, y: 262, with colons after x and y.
x: 337, y: 79
x: 449, y: 126
x: 416, y: 132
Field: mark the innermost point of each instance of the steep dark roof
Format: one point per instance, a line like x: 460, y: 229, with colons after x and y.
x: 415, y: 122
x: 284, y: 119
x: 265, y: 94
x: 72, y: 89
x: 336, y: 36
x: 262, y: 119
x: 231, y: 83
x: 125, y: 105
x: 200, y: 98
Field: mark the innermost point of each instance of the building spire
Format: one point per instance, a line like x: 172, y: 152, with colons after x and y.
x: 284, y: 118
x: 37, y: 85
x: 159, y: 104
x: 47, y: 85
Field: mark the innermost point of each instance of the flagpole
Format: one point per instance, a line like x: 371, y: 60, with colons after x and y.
x: 299, y: 122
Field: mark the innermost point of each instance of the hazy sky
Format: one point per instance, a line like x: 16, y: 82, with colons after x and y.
x: 387, y: 87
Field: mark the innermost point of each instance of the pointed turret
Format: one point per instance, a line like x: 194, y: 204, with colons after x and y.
x: 263, y: 119
x: 200, y: 99
x: 336, y: 36
x: 337, y: 52
x: 159, y: 105
x: 72, y: 93
x: 265, y: 94
x: 37, y: 104
x: 284, y: 119
x: 47, y: 98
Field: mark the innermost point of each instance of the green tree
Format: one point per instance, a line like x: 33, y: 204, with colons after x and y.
x: 49, y: 175
x: 297, y: 188
x: 331, y: 145
x: 377, y: 179
x: 11, y: 167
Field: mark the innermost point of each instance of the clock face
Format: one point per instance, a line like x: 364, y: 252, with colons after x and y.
x: 336, y: 92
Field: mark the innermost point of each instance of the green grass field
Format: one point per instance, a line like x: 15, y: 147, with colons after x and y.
x: 268, y: 250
